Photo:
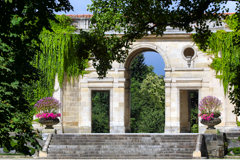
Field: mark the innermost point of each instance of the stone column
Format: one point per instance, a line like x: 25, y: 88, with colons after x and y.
x: 167, y: 108
x: 229, y: 117
x: 175, y: 110
x: 85, y: 110
x: 172, y: 113
x: 57, y: 94
x: 71, y: 103
x: 117, y: 116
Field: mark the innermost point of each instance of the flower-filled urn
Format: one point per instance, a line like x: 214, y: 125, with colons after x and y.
x: 209, y: 108
x: 47, y: 111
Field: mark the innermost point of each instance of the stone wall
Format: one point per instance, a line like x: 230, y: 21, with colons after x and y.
x: 215, y: 145
x: 71, y: 105
x: 76, y: 94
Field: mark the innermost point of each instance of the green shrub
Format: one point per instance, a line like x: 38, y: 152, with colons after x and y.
x: 236, y: 150
x: 194, y: 128
x: 238, y: 123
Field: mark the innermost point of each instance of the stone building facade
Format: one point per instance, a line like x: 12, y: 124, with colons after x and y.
x: 186, y: 69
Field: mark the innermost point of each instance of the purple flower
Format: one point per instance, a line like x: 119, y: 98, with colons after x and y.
x: 48, y: 104
x: 47, y: 108
x: 209, y: 107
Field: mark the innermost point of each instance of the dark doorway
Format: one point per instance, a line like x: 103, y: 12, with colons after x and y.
x: 100, y: 111
x: 189, y: 111
x: 193, y: 107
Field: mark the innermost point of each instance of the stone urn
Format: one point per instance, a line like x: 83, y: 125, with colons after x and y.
x: 49, y: 122
x: 211, y: 123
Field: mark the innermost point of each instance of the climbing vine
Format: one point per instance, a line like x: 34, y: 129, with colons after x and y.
x: 59, y: 56
x: 225, y: 50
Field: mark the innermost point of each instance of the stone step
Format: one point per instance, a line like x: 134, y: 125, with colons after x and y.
x: 120, y: 147
x: 174, y: 144
x: 102, y: 152
x: 233, y: 135
x: 106, y: 154
x: 123, y: 136
x: 92, y: 156
x: 129, y: 139
x: 145, y: 146
x: 119, y: 142
x: 119, y: 157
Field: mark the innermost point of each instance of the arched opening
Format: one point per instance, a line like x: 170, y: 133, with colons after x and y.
x: 145, y: 92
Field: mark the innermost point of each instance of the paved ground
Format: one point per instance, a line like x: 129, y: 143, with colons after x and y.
x: 105, y: 159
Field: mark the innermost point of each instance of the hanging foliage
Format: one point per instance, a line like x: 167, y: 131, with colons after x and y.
x: 60, y: 49
x: 225, y: 50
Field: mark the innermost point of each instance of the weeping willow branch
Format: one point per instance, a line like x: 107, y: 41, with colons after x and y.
x: 61, y: 54
x: 225, y: 50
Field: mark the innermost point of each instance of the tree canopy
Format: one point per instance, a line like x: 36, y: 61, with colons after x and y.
x: 21, y: 24
x: 224, y: 48
x: 134, y: 20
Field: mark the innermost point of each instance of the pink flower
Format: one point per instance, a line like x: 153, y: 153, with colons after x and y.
x: 48, y: 115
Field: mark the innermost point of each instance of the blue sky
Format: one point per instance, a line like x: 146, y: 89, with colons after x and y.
x: 80, y: 6
x: 151, y: 58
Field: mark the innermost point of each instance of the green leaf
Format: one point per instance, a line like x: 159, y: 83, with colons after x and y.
x: 13, y: 142
x: 5, y: 150
x: 10, y: 1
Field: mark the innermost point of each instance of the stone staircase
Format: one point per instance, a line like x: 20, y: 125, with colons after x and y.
x: 232, y: 139
x: 122, y: 146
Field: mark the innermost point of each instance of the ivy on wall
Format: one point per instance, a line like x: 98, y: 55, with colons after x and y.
x: 225, y: 50
x: 60, y: 49
x: 225, y: 53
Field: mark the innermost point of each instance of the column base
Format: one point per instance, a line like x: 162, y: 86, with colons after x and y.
x: 85, y: 129
x: 53, y: 131
x: 211, y: 131
x: 117, y: 129
x: 172, y: 129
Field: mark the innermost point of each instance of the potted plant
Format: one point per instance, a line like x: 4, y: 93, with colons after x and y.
x: 210, y: 111
x: 47, y: 109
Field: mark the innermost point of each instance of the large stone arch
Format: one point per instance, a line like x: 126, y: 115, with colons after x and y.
x: 139, y: 48
x: 179, y: 78
x: 136, y: 50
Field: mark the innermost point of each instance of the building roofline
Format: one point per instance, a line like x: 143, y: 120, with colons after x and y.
x: 80, y: 15
x: 90, y: 15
